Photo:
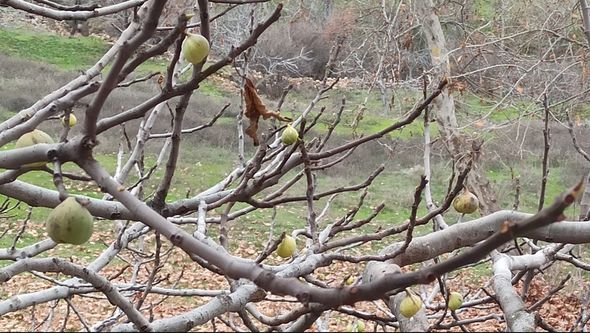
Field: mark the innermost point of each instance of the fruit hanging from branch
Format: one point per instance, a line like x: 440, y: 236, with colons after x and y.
x: 410, y: 305
x: 72, y: 121
x: 195, y: 48
x: 287, y: 247
x: 455, y: 300
x: 70, y: 222
x: 466, y: 202
x: 32, y: 138
x: 289, y: 135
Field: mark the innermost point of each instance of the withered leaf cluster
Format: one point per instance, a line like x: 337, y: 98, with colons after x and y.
x: 256, y: 108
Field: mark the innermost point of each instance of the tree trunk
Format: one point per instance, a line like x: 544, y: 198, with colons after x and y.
x: 585, y: 19
x: 585, y: 201
x: 444, y: 108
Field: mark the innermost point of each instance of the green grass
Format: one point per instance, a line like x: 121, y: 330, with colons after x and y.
x: 152, y: 65
x: 5, y: 114
x: 582, y: 111
x: 203, y: 166
x: 195, y: 173
x: 471, y: 107
x: 531, y: 187
x: 66, y: 53
x: 210, y: 89
x: 485, y: 9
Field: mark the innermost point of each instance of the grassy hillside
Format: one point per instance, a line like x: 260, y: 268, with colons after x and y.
x: 213, y: 153
x: 65, y: 53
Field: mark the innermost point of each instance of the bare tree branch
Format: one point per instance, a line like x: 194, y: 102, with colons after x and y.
x: 99, y: 282
x: 71, y: 13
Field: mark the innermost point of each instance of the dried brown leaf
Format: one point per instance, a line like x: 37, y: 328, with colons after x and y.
x: 256, y: 108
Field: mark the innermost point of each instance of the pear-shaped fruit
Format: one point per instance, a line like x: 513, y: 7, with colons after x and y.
x: 466, y: 202
x: 455, y: 300
x: 73, y: 121
x: 360, y: 326
x: 195, y: 48
x: 70, y: 223
x: 32, y: 138
x: 287, y: 247
x: 410, y: 305
x: 289, y: 135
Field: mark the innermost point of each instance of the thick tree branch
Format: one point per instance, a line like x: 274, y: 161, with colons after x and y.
x: 62, y: 14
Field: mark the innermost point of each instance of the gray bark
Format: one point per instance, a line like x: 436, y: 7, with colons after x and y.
x: 585, y: 201
x: 586, y: 18
x: 517, y: 318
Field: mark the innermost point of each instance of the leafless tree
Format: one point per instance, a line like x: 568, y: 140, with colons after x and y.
x: 263, y: 181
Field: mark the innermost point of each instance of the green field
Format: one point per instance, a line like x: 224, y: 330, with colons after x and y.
x: 205, y: 164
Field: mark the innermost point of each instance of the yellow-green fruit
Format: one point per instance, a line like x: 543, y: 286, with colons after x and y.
x: 195, y: 48
x: 32, y: 138
x: 360, y: 326
x: 73, y: 121
x: 466, y: 202
x: 290, y: 135
x: 455, y: 300
x: 70, y: 223
x: 349, y: 280
x: 410, y: 305
x: 287, y: 247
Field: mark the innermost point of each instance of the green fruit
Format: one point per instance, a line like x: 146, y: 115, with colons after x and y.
x: 410, y: 305
x: 70, y: 223
x: 195, y: 48
x: 455, y: 300
x: 32, y: 138
x: 289, y: 135
x: 466, y: 202
x: 73, y: 121
x: 287, y: 247
x: 349, y: 280
x: 360, y: 326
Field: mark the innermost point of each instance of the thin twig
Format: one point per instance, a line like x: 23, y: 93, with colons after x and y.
x: 22, y: 229
x: 78, y: 314
x: 546, y: 146
x: 152, y: 273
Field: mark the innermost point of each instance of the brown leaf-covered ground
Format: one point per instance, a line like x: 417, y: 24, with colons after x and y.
x: 561, y: 311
